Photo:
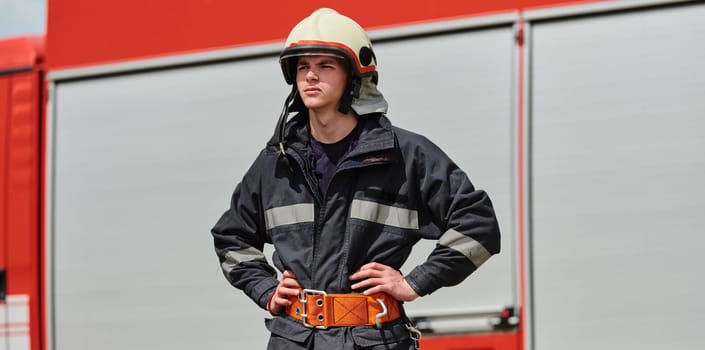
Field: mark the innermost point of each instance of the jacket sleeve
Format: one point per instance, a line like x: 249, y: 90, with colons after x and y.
x: 239, y: 237
x: 469, y: 232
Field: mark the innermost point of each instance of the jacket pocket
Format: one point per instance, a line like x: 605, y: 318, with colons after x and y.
x: 393, y: 335
x: 288, y: 329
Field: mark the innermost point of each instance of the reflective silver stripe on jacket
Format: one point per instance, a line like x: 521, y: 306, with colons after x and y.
x: 384, y: 214
x: 234, y: 258
x: 289, y: 214
x: 469, y: 247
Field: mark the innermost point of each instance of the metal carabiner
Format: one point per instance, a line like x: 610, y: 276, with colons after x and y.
x: 414, y: 333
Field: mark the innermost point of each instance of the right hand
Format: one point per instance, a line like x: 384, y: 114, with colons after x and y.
x: 288, y: 288
x: 375, y: 278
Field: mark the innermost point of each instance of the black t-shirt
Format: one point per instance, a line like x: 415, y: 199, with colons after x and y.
x: 327, y: 156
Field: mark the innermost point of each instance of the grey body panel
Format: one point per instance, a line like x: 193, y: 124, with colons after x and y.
x: 463, y: 105
x: 145, y: 165
x: 618, y: 180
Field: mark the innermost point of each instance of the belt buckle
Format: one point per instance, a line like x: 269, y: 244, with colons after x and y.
x: 302, y: 298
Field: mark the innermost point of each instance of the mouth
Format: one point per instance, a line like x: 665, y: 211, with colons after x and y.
x: 312, y: 90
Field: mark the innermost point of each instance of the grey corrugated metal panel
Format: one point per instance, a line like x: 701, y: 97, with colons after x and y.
x: 618, y: 162
x: 145, y: 164
x: 455, y: 89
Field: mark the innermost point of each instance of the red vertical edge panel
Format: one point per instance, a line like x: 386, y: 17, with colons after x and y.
x: 4, y: 109
x: 21, y: 211
x: 493, y: 341
x: 21, y: 91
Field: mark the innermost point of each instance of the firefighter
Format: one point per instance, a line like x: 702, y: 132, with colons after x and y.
x: 343, y: 196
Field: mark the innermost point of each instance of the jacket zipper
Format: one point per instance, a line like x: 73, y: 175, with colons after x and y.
x: 346, y: 232
x: 313, y: 187
x: 321, y: 199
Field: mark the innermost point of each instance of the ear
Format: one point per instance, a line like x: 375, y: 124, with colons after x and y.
x: 351, y: 92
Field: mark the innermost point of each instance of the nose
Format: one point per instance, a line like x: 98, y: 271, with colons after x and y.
x: 311, y: 75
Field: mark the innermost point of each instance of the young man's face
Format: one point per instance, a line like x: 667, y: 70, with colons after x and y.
x: 321, y: 81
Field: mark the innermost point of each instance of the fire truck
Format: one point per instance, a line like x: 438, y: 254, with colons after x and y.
x: 124, y: 129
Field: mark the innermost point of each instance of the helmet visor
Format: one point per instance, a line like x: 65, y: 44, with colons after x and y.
x: 311, y: 53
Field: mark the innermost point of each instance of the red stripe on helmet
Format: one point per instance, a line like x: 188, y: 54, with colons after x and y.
x: 344, y: 47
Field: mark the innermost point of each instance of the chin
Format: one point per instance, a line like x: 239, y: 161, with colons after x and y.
x: 314, y: 105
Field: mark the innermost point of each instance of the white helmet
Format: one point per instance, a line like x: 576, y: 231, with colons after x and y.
x: 326, y: 32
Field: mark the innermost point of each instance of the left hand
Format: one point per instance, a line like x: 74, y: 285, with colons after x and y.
x: 376, y: 278
x: 287, y: 289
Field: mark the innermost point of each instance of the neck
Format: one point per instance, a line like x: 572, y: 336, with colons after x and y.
x: 331, y: 126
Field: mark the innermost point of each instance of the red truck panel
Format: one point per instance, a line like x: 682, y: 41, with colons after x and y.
x: 495, y: 341
x: 20, y: 111
x: 20, y: 53
x: 88, y: 32
x: 19, y: 206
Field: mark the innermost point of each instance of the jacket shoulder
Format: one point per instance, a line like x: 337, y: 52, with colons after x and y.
x: 418, y: 145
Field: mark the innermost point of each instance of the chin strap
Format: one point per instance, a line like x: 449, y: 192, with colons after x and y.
x: 281, y: 123
x: 352, y: 91
x: 278, y: 139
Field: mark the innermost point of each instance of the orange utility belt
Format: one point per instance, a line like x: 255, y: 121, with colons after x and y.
x: 322, y: 310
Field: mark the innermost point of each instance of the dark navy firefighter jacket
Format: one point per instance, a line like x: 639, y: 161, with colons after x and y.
x: 393, y: 189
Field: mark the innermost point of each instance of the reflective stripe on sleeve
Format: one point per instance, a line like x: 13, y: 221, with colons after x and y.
x: 469, y: 247
x: 289, y: 214
x: 234, y: 258
x: 384, y: 214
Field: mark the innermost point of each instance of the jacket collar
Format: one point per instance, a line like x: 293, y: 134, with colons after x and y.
x: 376, y: 135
